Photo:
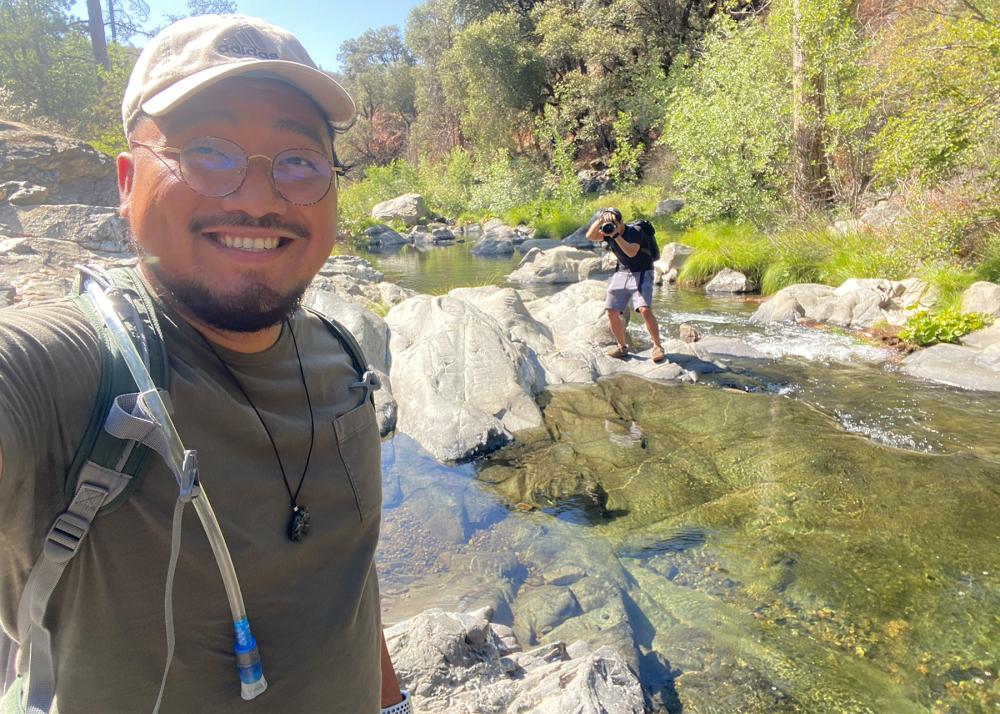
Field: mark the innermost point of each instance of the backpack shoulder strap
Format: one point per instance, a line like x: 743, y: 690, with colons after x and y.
x: 103, y: 473
x: 98, y: 446
x: 369, y: 380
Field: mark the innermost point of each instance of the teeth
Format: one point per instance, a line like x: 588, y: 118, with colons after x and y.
x: 247, y: 243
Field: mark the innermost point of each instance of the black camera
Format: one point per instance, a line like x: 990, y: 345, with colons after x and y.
x: 607, y: 228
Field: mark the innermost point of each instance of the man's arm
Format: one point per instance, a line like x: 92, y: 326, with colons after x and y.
x: 390, y: 684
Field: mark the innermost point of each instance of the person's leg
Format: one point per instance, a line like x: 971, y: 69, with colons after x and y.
x: 643, y: 300
x: 617, y: 327
x: 651, y: 325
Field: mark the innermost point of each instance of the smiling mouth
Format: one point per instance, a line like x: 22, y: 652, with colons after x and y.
x: 250, y: 244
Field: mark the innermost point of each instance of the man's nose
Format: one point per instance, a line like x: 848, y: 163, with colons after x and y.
x: 257, y: 196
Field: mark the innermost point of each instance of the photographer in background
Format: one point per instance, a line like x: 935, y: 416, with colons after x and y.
x: 633, y: 279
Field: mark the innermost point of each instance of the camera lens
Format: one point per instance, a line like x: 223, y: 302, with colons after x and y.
x: 607, y: 228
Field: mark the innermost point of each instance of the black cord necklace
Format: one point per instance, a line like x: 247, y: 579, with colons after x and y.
x: 298, y: 523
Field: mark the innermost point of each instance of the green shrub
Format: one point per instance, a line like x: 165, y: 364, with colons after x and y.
x: 950, y: 281
x: 988, y: 259
x: 925, y: 328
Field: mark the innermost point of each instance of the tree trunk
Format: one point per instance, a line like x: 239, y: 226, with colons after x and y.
x: 810, y: 185
x: 111, y: 20
x: 95, y: 25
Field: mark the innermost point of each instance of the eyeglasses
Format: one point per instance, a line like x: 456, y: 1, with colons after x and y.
x: 218, y: 167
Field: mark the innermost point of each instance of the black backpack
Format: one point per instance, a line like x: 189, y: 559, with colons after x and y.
x: 648, y: 244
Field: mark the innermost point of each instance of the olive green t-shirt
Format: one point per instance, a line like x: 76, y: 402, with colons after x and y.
x: 313, y: 604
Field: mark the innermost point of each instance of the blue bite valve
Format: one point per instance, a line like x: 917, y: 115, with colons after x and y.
x: 248, y: 665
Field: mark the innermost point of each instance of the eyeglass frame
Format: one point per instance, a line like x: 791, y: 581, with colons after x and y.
x: 335, y: 171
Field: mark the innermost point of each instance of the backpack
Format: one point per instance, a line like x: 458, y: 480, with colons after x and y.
x: 114, y: 464
x: 648, y: 245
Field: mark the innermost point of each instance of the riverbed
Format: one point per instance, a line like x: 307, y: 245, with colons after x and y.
x: 810, y: 532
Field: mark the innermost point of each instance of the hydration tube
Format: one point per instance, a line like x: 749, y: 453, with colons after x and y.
x: 183, y: 463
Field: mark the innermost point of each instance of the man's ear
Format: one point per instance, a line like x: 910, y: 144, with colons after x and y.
x: 126, y: 180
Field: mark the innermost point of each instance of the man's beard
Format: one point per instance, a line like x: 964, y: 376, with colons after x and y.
x: 253, y: 308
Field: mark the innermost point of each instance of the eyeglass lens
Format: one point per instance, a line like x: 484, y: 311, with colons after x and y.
x: 217, y: 167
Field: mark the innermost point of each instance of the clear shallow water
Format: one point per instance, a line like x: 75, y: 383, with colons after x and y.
x: 810, y: 532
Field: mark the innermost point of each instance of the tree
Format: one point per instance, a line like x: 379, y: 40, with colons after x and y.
x: 95, y: 25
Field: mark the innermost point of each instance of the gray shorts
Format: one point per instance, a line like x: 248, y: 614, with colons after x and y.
x: 624, y: 285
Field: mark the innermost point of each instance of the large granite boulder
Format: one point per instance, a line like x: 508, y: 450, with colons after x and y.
x: 462, y: 384
x: 982, y: 297
x: 69, y: 170
x: 355, y: 280
x: 462, y: 662
x: 497, y: 239
x: 561, y: 265
x: 408, y: 208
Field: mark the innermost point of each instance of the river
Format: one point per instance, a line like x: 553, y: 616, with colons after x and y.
x: 812, y: 532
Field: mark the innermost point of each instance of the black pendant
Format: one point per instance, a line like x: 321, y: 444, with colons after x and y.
x: 298, y: 525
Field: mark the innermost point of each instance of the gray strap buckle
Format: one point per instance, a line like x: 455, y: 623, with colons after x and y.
x: 64, y: 537
x: 370, y: 382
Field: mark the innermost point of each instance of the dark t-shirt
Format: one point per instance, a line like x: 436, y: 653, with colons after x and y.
x: 642, y: 260
x: 313, y: 605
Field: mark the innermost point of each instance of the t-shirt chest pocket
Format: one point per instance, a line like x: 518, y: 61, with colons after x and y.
x: 360, y: 450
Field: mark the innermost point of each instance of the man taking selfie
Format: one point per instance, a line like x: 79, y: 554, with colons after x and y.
x: 117, y: 601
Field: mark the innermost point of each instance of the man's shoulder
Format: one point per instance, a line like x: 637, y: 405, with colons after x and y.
x: 48, y: 326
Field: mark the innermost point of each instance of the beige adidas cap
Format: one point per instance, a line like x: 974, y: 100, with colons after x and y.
x: 191, y: 55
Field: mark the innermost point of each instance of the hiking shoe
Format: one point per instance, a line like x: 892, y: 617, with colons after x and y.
x: 619, y: 352
x: 658, y: 354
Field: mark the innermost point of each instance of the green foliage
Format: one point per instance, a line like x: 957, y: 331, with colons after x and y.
x: 624, y: 162
x: 950, y: 281
x: 380, y: 183
x: 926, y: 328
x: 941, y: 80
x: 493, y: 79
x: 503, y: 182
x: 724, y: 245
x: 728, y: 125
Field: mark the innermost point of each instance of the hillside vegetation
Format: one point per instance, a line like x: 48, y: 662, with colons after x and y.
x: 771, y: 120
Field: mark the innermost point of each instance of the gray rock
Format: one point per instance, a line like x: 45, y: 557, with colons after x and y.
x: 382, y: 237
x: 672, y: 259
x: 71, y: 171
x: 804, y: 299
x: 883, y: 215
x: 668, y: 207
x: 578, y: 239
x: 356, y: 268
x: 95, y: 228
x: 968, y: 366
x: 461, y: 662
x: 24, y: 193
x: 688, y: 333
x: 982, y: 297
x: 561, y: 265
x: 408, y: 208
x: 497, y: 239
x: 730, y: 281
x: 540, y: 243
x: 462, y: 384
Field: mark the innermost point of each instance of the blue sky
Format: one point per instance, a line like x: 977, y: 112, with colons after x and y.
x: 320, y: 26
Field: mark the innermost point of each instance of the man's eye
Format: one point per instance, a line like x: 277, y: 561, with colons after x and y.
x: 299, y: 162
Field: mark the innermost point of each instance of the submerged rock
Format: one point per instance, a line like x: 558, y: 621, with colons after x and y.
x: 461, y: 662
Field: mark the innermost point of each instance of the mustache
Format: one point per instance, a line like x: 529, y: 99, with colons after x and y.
x: 242, y: 220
